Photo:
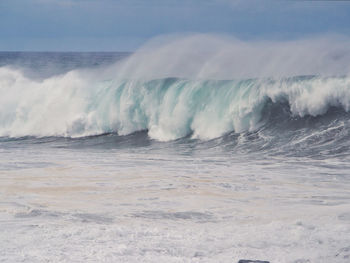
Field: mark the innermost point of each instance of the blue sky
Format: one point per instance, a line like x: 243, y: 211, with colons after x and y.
x: 123, y: 25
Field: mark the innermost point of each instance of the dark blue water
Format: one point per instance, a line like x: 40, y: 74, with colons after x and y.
x: 47, y: 64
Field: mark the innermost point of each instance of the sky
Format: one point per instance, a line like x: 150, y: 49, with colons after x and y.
x: 124, y: 25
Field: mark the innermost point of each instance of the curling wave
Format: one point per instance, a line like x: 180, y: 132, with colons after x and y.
x: 78, y: 104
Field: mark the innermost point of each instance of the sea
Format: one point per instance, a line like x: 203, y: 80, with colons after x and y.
x: 100, y: 166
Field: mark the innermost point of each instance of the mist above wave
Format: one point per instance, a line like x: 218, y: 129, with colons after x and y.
x: 221, y: 57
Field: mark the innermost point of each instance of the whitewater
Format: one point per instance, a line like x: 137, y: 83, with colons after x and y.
x: 191, y: 149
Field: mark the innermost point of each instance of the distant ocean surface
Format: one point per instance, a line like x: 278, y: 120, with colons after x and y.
x: 100, y: 167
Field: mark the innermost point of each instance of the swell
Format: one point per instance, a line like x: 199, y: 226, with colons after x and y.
x: 81, y: 103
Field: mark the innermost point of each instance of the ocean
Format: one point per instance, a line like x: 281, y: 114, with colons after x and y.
x: 98, y: 166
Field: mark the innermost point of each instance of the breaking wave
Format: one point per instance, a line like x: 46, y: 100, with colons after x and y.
x: 75, y: 105
x: 201, y: 87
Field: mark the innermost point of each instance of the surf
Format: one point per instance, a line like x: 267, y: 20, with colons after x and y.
x: 199, y: 86
x: 73, y: 106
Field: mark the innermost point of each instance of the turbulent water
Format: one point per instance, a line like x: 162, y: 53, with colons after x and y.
x: 102, y: 160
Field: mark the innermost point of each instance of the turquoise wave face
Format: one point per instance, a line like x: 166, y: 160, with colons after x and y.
x: 173, y: 108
